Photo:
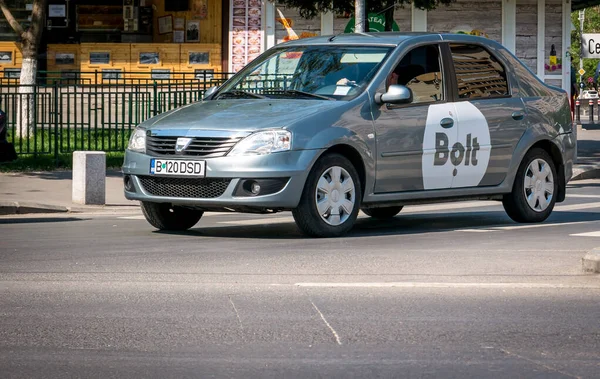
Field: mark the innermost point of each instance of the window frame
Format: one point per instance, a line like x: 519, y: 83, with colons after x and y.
x: 452, y: 72
x: 447, y: 89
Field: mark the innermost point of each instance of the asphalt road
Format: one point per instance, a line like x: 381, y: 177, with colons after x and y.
x: 450, y: 290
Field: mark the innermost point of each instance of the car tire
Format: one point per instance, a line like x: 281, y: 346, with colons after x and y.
x: 332, y: 187
x: 382, y: 213
x: 534, y: 190
x: 164, y: 216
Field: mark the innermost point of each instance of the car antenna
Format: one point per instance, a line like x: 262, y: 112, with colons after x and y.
x: 362, y: 22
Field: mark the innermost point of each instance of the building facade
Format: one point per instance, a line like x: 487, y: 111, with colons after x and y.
x: 163, y: 37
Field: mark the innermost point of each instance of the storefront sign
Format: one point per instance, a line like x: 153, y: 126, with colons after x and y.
x: 590, y: 45
x: 376, y: 24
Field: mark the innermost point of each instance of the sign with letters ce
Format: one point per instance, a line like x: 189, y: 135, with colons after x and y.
x: 590, y: 45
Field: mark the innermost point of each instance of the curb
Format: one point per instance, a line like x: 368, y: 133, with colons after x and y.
x: 586, y: 171
x: 22, y: 207
x: 591, y: 261
x: 16, y: 207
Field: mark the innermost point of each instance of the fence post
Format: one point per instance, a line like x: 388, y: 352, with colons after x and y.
x: 155, y: 95
x: 55, y: 95
x: 578, y: 111
x: 591, y: 104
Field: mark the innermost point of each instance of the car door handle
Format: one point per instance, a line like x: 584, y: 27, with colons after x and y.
x: 518, y: 115
x: 447, y: 123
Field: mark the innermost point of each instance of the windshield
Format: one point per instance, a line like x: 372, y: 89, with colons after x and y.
x: 312, y: 72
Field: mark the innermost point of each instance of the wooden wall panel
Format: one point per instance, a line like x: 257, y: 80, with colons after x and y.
x: 16, y: 58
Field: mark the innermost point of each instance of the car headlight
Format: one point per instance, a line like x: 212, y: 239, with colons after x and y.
x: 261, y: 143
x: 137, y: 141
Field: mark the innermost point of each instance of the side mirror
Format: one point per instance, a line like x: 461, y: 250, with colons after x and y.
x: 396, y: 94
x: 208, y: 94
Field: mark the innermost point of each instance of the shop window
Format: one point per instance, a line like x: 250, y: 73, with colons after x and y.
x: 6, y: 57
x: 99, y: 58
x: 112, y: 74
x: 420, y: 70
x: 149, y: 58
x: 204, y: 75
x: 478, y: 73
x: 64, y: 58
x: 12, y: 73
x: 161, y: 74
x: 198, y: 58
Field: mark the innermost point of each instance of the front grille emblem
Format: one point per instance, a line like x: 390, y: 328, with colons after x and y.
x: 182, y: 144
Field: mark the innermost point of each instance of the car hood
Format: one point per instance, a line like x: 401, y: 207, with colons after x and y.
x: 243, y: 115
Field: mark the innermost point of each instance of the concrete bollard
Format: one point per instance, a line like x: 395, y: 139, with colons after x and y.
x: 89, y: 177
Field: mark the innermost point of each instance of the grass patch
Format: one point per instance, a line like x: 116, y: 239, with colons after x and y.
x: 38, y: 152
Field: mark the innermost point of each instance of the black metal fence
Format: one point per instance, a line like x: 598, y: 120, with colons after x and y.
x: 91, y: 111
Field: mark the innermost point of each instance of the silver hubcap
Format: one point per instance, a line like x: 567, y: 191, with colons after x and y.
x: 539, y: 185
x: 335, y: 196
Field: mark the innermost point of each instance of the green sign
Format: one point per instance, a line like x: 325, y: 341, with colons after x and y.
x: 376, y: 24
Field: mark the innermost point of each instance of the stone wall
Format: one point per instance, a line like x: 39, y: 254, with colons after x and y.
x: 483, y: 15
x: 526, y: 42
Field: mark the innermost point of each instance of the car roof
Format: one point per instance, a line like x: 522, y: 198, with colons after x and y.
x: 383, y: 38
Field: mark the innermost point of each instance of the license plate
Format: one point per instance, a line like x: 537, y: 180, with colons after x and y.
x: 177, y: 167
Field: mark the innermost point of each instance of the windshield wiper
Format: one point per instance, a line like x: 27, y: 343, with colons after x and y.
x: 298, y: 92
x: 240, y: 93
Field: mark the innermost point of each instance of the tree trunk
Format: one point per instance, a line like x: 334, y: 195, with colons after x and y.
x: 26, y: 103
x: 389, y: 16
x: 359, y: 16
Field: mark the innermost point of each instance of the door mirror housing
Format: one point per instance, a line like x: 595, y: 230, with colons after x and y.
x: 208, y: 94
x: 396, y: 94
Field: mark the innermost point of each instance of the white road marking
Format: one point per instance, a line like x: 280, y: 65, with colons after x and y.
x: 589, y: 234
x: 238, y: 316
x: 132, y: 218
x: 575, y: 207
x: 337, y: 338
x: 532, y: 226
x: 475, y: 230
x: 583, y: 196
x: 206, y: 214
x: 448, y: 285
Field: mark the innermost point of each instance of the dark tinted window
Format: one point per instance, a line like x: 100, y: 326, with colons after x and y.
x: 478, y: 73
x: 420, y: 70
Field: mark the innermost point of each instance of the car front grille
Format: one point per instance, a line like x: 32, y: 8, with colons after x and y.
x: 208, y: 147
x: 184, y: 187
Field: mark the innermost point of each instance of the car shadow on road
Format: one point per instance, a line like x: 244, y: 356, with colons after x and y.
x: 408, y: 224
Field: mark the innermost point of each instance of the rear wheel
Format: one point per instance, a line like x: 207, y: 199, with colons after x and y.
x: 382, y: 213
x: 165, y: 216
x: 533, y: 196
x: 331, y: 199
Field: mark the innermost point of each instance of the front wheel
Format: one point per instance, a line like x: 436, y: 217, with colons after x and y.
x: 533, y: 195
x: 164, y: 216
x: 331, y: 199
x: 382, y: 213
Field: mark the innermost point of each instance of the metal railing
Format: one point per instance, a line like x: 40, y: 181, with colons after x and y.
x: 70, y: 114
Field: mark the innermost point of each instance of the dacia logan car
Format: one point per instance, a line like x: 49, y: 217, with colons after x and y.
x: 324, y: 127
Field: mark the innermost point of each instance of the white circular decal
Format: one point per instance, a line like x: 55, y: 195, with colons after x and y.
x: 456, y: 146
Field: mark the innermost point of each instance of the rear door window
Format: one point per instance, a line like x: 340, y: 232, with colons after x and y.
x: 478, y: 73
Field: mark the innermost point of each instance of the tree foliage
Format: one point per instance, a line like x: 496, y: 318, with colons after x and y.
x: 311, y: 9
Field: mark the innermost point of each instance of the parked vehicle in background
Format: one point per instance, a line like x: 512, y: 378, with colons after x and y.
x: 327, y: 126
x: 7, y: 150
x: 589, y: 94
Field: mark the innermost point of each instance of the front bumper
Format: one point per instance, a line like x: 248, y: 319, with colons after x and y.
x: 294, y: 165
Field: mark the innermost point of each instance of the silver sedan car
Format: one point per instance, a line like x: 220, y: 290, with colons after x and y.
x: 327, y: 126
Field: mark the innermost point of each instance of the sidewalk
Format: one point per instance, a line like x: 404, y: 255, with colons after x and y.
x: 49, y: 192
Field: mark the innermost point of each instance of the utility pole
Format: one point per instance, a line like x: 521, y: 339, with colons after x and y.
x: 359, y: 16
x: 581, y: 18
